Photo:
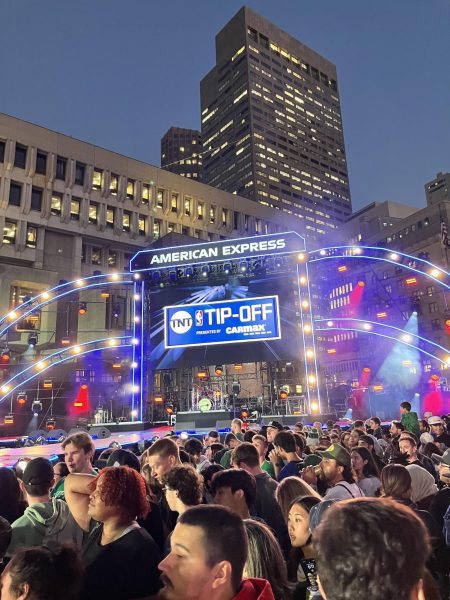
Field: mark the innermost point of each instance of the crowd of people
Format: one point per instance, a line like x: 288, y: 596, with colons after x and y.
x: 331, y: 510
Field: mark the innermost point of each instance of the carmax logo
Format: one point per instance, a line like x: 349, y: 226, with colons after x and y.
x: 181, y: 321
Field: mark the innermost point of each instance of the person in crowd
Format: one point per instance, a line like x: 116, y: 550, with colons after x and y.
x: 408, y: 450
x: 300, y: 443
x: 355, y: 436
x: 284, y: 453
x: 290, y: 489
x: 212, y: 437
x: 43, y: 574
x: 266, y: 507
x: 441, y: 500
x: 120, y: 557
x: 366, y: 471
x: 207, y: 475
x: 345, y: 440
x: 392, y: 451
x: 318, y: 426
x: 20, y: 465
x: 249, y: 435
x: 183, y: 487
x: 11, y: 504
x: 375, y: 426
x: 265, y: 559
x: 209, y: 550
x: 211, y: 451
x: 312, y: 441
x: 439, y: 433
x: 385, y: 558
x: 299, y: 427
x: 194, y: 448
x: 231, y: 441
x: 79, y: 450
x: 324, y: 442
x: 46, y: 521
x: 262, y: 445
x: 367, y: 441
x: 236, y: 428
x: 273, y: 427
x: 428, y: 447
x: 5, y: 540
x: 162, y: 456
x: 60, y: 470
x: 235, y: 489
x: 424, y: 487
x: 423, y: 426
x: 304, y: 554
x: 335, y: 437
x: 397, y: 484
x: 409, y: 419
x: 336, y: 471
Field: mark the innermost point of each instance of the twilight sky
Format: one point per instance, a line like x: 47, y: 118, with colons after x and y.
x: 119, y: 73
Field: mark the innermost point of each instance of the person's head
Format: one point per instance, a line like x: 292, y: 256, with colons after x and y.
x: 423, y: 484
x: 273, y: 427
x: 355, y: 436
x: 335, y: 437
x: 408, y: 447
x: 431, y: 448
x: 298, y: 520
x: 405, y: 407
x: 212, y: 450
x: 162, y: 456
x: 212, y: 437
x: 209, y: 473
x: 231, y: 441
x: 385, y: 558
x: 436, y: 426
x: 183, y: 487
x: 236, y: 426
x: 261, y: 444
x: 5, y: 536
x: 359, y: 425
x: 291, y: 488
x: 194, y: 448
x: 318, y: 425
x: 396, y: 482
x: 374, y: 423
x: 300, y: 443
x: 345, y: 439
x: 9, y: 494
x: 265, y: 558
x: 284, y: 443
x: 42, y: 574
x: 123, y: 458
x: 366, y: 441
x: 249, y: 435
x: 363, y: 462
x: 245, y: 456
x: 207, y: 557
x: 396, y: 428
x: 38, y: 478
x: 234, y: 488
x: 312, y: 441
x: 79, y: 450
x: 324, y: 441
x: 118, y: 492
x: 336, y: 465
x: 60, y: 470
x: 298, y: 427
x: 423, y: 426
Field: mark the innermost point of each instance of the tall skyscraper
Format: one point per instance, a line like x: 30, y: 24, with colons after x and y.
x: 271, y: 124
x: 181, y: 152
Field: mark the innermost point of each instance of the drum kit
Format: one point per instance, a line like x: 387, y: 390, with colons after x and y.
x: 204, y: 399
x: 101, y: 415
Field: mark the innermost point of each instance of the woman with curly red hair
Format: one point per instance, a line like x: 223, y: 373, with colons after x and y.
x: 120, y: 558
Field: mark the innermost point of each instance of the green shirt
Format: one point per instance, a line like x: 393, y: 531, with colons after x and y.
x: 268, y: 468
x: 58, y: 490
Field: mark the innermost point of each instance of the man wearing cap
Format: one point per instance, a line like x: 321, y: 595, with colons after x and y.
x: 336, y: 470
x: 46, y: 521
x: 441, y: 500
x: 273, y: 427
x: 438, y: 431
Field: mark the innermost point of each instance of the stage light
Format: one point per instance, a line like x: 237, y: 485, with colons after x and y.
x: 80, y: 282
x: 5, y: 356
x: 202, y: 373
x: 8, y: 419
x: 434, y: 377
x: 41, y: 365
x: 303, y: 280
x: 82, y: 308
x: 407, y: 337
x: 305, y: 304
x: 331, y: 351
x: 357, y: 250
x: 6, y: 388
x: 366, y: 370
x: 45, y: 296
x: 169, y: 409
x: 447, y: 360
x: 189, y: 271
x: 367, y: 326
x: 411, y: 281
x: 394, y: 256
x: 218, y: 370
x: 283, y: 394
x: 307, y: 328
x: 361, y: 284
x: 381, y: 315
x: 134, y: 365
x: 310, y: 353
x: 83, y: 386
x: 158, y: 399
x: 330, y: 323
x: 243, y: 266
x: 48, y: 384
x: 435, y: 273
x: 65, y: 341
x: 136, y: 319
x: 12, y: 315
x: 156, y: 275
x: 117, y: 365
x: 378, y: 387
x: 314, y: 406
x: 312, y: 379
x: 21, y: 398
x: 36, y: 408
x: 77, y: 349
x: 323, y: 253
x: 104, y: 294
x: 50, y: 424
x: 172, y: 275
x: 135, y: 389
x: 134, y: 413
x: 302, y: 256
x: 112, y: 342
x: 447, y: 326
x: 137, y: 297
x: 32, y: 339
x: 238, y: 366
x: 406, y: 363
x: 136, y: 276
x: 135, y: 341
x: 244, y: 414
x: 342, y: 269
x: 114, y: 276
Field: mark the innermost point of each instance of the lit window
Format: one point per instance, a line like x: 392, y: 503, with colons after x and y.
x: 97, y: 178
x: 170, y: 227
x: 126, y: 220
x: 145, y: 193
x: 224, y: 216
x: 110, y: 217
x: 200, y: 211
x: 187, y: 207
x: 114, y: 185
x: 174, y: 203
x: 96, y: 256
x: 212, y: 215
x: 156, y: 229
x: 31, y: 236
x: 75, y: 210
x: 160, y: 198
x: 9, y: 232
x: 56, y: 203
x: 93, y: 213
x: 142, y: 221
x: 112, y: 258
x: 130, y: 189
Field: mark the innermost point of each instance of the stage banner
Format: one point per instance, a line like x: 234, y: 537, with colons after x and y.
x: 223, y: 322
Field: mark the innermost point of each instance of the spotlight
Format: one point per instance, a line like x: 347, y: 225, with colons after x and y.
x: 104, y: 294
x: 314, y: 406
x: 330, y: 323
x: 8, y: 419
x: 407, y: 338
x: 158, y: 399
x: 36, y: 408
x: 189, y: 271
x: 32, y: 339
x: 172, y: 275
x: 302, y: 280
x: 205, y: 270
x: 169, y: 409
x: 21, y: 398
x: 243, y: 266
x: 80, y: 282
x: 305, y: 304
x: 310, y: 353
x: 367, y: 326
x: 302, y: 257
x: 5, y: 356
x: 202, y: 373
x: 322, y: 252
x: 394, y: 256
x: 218, y: 370
x: 50, y: 424
x: 227, y: 268
x: 137, y: 276
x: 283, y: 394
x: 361, y: 284
x: 238, y: 366
x: 116, y: 311
x: 435, y: 273
x: 82, y: 308
x: 156, y: 275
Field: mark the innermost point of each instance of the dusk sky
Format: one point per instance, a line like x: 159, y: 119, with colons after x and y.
x: 119, y: 73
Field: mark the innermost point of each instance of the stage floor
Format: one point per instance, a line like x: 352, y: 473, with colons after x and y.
x: 9, y: 456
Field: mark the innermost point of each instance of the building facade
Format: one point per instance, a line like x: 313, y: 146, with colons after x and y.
x: 272, y: 126
x: 181, y: 152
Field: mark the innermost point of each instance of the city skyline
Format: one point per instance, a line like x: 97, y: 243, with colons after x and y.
x: 393, y: 110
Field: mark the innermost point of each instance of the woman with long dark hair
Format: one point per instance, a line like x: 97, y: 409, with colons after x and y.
x: 366, y: 471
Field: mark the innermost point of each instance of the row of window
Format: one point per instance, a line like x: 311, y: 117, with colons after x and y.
x: 10, y: 234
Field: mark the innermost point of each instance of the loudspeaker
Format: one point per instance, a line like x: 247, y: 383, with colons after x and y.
x: 99, y: 432
x: 78, y: 430
x: 36, y: 437
x: 223, y: 424
x: 186, y: 426
x: 56, y: 435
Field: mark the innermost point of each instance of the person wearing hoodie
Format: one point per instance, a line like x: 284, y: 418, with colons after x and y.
x: 47, y: 521
x: 410, y: 420
x: 209, y: 549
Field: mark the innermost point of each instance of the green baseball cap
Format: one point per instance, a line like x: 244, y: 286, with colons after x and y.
x: 337, y: 453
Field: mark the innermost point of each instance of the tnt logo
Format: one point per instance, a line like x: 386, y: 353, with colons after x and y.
x: 181, y: 321
x: 199, y: 318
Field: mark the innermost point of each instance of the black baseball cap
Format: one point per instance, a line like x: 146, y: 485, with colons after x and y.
x: 123, y: 458
x: 275, y: 425
x: 38, y: 471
